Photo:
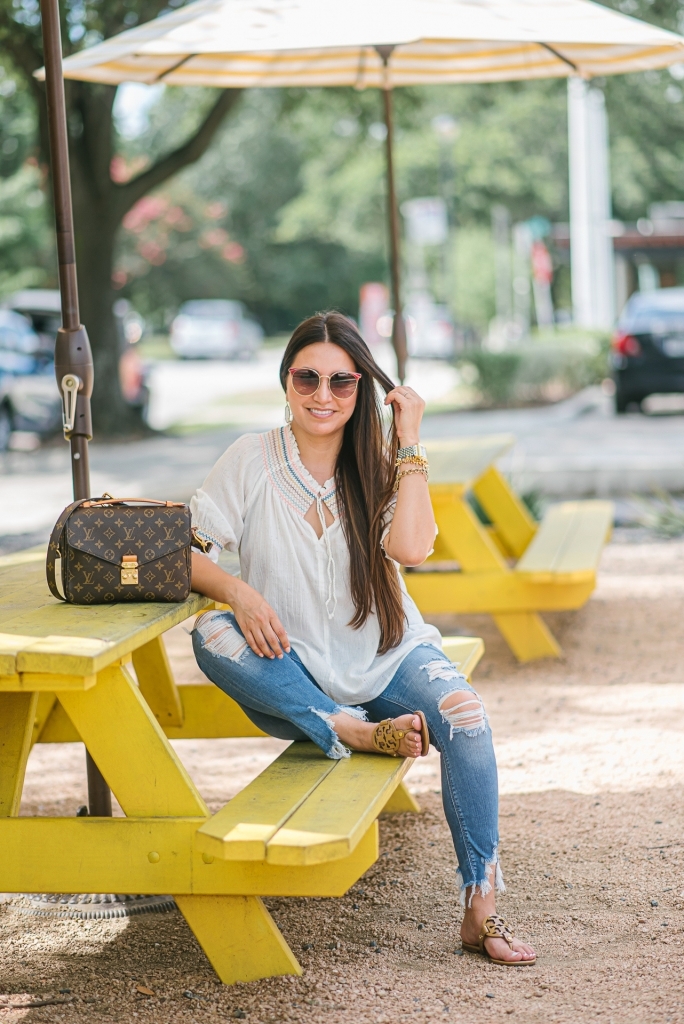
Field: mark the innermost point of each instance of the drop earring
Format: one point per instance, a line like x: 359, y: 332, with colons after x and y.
x: 288, y: 413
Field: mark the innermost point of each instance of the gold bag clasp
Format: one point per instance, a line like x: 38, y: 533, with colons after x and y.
x: 129, y: 570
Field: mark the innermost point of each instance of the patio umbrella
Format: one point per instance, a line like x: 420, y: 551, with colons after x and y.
x: 380, y: 44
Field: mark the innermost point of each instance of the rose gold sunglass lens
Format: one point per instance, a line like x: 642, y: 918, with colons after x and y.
x: 307, y: 382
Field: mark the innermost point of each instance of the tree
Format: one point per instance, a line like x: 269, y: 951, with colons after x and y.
x: 100, y: 200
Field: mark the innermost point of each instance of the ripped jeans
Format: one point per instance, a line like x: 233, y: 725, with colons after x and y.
x: 283, y: 699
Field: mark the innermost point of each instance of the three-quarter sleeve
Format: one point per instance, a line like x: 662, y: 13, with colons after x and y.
x: 218, y: 506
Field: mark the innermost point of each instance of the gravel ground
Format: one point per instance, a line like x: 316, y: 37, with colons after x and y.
x: 591, y: 762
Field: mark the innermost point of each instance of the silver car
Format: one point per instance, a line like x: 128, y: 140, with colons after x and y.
x: 215, y: 329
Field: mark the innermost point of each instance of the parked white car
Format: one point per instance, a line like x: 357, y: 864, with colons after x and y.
x: 215, y: 329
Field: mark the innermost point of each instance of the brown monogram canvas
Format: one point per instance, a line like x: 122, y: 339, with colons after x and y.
x: 97, y: 541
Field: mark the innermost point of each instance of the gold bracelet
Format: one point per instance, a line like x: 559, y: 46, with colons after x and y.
x: 418, y: 460
x: 410, y: 472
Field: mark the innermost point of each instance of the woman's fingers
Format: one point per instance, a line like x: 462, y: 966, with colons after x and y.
x: 272, y: 640
x: 279, y: 630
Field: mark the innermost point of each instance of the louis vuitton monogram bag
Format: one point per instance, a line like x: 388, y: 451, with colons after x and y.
x: 122, y: 549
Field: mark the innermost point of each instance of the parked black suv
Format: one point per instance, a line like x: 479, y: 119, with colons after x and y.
x: 648, y: 347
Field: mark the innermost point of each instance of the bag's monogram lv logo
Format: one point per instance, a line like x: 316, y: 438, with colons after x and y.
x: 130, y: 533
x: 169, y: 531
x: 168, y: 573
x: 88, y: 577
x: 89, y: 531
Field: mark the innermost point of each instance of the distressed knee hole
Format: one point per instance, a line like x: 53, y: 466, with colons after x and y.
x: 463, y: 711
x: 219, y: 636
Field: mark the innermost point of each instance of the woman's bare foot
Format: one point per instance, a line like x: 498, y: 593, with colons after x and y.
x: 359, y: 735
x: 480, y: 908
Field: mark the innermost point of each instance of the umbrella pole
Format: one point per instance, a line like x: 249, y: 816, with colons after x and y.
x: 398, y: 324
x: 73, y: 357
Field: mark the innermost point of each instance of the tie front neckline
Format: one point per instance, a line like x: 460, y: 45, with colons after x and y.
x: 299, y: 491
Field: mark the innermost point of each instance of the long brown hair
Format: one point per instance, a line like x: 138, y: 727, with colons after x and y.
x: 364, y: 476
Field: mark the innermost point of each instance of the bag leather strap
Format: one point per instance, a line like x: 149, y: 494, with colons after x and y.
x: 90, y: 502
x: 54, y: 547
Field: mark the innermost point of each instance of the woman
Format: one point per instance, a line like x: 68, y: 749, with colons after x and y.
x: 323, y: 642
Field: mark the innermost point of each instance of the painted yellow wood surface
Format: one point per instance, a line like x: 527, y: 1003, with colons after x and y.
x: 242, y: 829
x: 472, y: 568
x: 73, y: 639
x: 464, y: 651
x: 208, y: 713
x: 527, y: 635
x: 329, y: 824
x: 570, y: 539
x: 513, y: 524
x: 130, y: 748
x: 157, y: 685
x: 401, y: 801
x: 113, y: 855
x: 461, y: 461
x: 46, y: 682
x: 239, y: 936
x: 493, y: 592
x: 17, y: 711
x: 44, y: 707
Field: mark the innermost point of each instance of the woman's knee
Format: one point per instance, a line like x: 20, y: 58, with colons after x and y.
x: 459, y: 706
x: 216, y: 633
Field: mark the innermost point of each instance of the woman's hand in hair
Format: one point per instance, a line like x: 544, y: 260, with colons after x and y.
x: 408, y: 413
x: 261, y: 627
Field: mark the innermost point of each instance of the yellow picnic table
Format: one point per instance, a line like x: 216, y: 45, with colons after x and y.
x: 307, y: 826
x: 512, y: 568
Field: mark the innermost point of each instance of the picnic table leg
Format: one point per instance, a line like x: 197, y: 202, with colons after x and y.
x: 527, y: 635
x: 401, y: 801
x: 158, y: 687
x: 239, y: 936
x: 237, y: 933
x: 17, y: 711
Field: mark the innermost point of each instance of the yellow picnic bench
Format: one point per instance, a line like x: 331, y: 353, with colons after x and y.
x: 307, y: 826
x: 512, y: 568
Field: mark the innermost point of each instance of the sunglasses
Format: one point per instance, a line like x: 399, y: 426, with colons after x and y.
x: 306, y: 382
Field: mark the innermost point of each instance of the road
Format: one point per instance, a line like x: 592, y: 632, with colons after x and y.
x: 575, y: 448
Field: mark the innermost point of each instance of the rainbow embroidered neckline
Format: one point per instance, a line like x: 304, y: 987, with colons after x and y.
x: 289, y: 476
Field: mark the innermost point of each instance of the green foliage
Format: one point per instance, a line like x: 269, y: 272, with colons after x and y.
x: 548, y: 368
x: 286, y: 211
x: 660, y: 514
x: 26, y: 250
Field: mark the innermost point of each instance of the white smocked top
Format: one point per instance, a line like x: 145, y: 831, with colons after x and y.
x: 253, y: 503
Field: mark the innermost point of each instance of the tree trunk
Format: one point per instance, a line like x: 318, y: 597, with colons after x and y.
x: 97, y: 214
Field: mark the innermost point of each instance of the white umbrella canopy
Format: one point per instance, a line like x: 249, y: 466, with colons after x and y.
x: 270, y: 43
x: 377, y: 43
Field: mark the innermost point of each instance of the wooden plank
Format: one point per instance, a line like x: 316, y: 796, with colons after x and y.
x: 464, y: 651
x: 28, y: 611
x: 570, y: 538
x: 17, y: 711
x: 512, y: 521
x: 330, y: 823
x: 44, y: 708
x: 113, y: 855
x: 242, y: 829
x: 239, y: 937
x: 209, y: 713
x: 462, y: 536
x: 156, y: 682
x: 10, y: 645
x: 130, y: 749
x: 44, y: 682
x: 462, y: 460
x: 493, y: 592
x: 528, y: 636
